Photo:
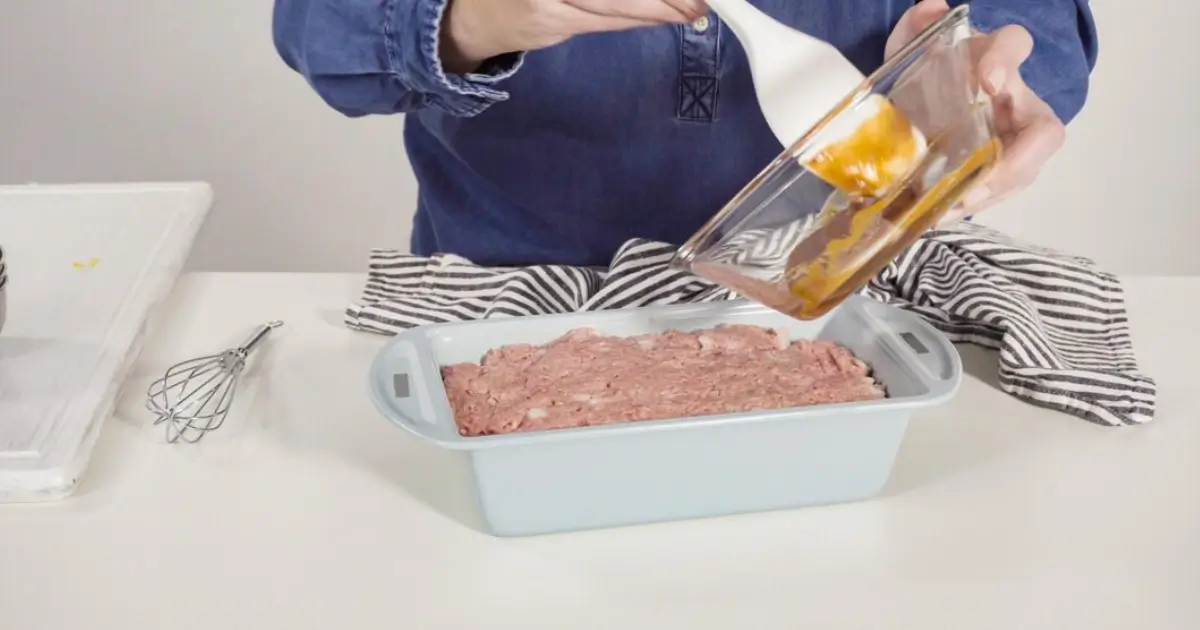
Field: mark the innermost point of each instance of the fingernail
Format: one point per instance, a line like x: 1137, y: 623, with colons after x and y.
x: 996, y: 79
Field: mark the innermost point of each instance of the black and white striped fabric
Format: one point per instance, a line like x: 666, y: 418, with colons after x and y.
x: 1058, y: 323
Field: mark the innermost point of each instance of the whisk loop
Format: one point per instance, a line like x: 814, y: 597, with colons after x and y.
x: 193, y: 397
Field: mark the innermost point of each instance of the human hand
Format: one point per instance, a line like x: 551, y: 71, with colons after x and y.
x: 1029, y: 129
x: 476, y: 30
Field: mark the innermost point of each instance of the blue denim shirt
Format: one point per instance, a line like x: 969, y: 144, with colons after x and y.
x: 560, y: 155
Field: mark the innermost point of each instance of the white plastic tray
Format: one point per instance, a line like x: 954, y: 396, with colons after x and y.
x: 87, y: 266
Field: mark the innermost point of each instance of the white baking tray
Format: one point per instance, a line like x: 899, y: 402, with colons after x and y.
x: 571, y: 479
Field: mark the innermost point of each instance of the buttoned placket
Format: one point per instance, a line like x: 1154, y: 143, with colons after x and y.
x: 699, y: 65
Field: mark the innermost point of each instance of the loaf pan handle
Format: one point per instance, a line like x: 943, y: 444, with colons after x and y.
x: 921, y: 345
x: 406, y: 387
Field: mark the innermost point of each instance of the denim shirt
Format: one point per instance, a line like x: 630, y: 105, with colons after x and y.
x: 560, y: 155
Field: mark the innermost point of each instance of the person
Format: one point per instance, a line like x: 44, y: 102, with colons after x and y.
x: 551, y: 131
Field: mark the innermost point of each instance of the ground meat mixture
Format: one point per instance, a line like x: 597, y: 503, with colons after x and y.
x: 584, y: 378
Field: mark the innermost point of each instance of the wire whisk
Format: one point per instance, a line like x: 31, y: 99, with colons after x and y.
x: 194, y: 396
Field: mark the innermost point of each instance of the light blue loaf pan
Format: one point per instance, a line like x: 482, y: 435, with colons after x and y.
x: 641, y: 472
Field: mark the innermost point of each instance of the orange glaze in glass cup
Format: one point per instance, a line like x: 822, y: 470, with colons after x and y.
x: 868, y: 150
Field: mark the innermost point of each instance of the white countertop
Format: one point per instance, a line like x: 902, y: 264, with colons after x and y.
x: 307, y: 510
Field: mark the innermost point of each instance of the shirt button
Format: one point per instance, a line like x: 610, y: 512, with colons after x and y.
x: 701, y: 24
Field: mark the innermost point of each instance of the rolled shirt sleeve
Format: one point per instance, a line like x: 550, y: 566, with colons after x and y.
x: 368, y: 57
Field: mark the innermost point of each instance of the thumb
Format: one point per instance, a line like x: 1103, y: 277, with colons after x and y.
x: 926, y: 12
x: 915, y: 20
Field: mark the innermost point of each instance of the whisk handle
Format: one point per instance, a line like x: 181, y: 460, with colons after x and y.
x: 258, y: 336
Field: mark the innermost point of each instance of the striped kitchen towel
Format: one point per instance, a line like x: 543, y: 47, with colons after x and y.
x: 1058, y: 323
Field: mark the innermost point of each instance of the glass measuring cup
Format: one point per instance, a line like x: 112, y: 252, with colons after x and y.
x: 861, y: 186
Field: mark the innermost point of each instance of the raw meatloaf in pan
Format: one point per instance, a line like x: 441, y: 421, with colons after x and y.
x: 586, y: 378
x: 704, y: 459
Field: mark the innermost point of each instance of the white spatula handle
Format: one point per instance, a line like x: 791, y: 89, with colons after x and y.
x: 798, y: 78
x: 760, y: 33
